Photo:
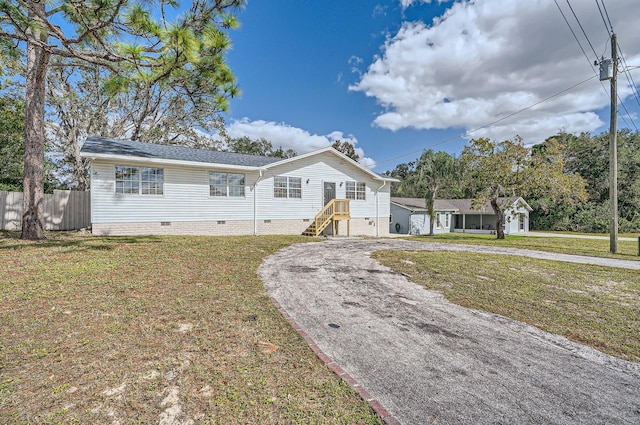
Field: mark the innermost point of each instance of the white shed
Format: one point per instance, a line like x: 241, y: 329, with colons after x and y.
x: 409, y: 216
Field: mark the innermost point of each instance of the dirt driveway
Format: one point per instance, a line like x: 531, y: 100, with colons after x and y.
x: 429, y: 361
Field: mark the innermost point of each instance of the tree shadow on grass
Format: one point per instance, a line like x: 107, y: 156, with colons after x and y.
x: 586, y: 247
x: 10, y: 240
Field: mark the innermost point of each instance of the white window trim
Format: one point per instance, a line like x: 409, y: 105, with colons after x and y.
x: 355, y: 191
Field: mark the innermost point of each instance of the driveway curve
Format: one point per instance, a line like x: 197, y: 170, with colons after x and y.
x: 427, y: 360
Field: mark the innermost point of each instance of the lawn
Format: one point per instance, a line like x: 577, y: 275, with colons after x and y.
x: 155, y: 330
x: 596, y: 306
x: 627, y: 250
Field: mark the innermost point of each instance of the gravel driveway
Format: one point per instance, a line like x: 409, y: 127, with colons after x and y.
x: 429, y: 361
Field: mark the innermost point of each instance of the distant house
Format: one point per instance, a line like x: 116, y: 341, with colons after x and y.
x: 142, y: 188
x: 409, y: 216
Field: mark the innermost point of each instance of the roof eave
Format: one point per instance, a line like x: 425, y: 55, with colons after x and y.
x: 420, y: 209
x: 163, y: 161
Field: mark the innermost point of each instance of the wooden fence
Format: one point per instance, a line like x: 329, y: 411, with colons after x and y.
x: 63, y: 210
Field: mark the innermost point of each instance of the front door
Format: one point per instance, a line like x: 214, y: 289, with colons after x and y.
x: 329, y: 192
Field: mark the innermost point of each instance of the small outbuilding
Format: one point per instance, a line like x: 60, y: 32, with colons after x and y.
x: 409, y: 216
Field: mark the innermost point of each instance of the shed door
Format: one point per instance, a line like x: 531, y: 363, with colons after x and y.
x: 329, y: 192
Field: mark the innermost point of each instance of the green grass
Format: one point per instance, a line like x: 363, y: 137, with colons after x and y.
x: 596, y: 306
x: 627, y: 250
x: 135, y: 329
x: 605, y: 235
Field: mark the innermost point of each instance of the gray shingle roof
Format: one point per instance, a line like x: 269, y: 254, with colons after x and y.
x: 461, y: 206
x: 102, y: 145
x: 420, y: 204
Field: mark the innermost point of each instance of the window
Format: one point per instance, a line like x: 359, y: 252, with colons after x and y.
x: 151, y: 181
x: 226, y: 184
x: 438, y: 223
x: 139, y: 180
x: 447, y: 223
x: 287, y: 187
x: 356, y: 191
x: 295, y: 187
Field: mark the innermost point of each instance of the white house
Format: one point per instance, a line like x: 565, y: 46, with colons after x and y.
x: 409, y: 216
x: 144, y: 188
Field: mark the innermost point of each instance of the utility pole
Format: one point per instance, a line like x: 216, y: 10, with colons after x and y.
x: 613, y: 149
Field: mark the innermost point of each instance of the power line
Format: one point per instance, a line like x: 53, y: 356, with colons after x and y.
x: 489, y: 124
x: 603, y: 20
x: 628, y: 114
x: 632, y: 83
x: 583, y: 31
x: 625, y: 71
x: 574, y: 34
x: 609, y: 29
x: 607, y: 13
x: 580, y: 45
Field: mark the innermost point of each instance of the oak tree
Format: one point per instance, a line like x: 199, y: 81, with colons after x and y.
x: 497, y: 172
x: 80, y: 106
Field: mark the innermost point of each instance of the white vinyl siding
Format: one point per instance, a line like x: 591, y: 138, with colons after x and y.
x: 226, y: 184
x: 314, y: 172
x: 186, y: 194
x: 356, y: 191
x: 186, y: 197
x: 139, y: 180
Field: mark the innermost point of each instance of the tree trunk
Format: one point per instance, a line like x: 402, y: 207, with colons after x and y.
x: 430, y: 203
x: 81, y: 173
x: 33, y: 183
x: 499, y: 218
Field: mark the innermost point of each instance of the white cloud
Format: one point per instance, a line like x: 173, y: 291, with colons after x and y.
x: 407, y: 3
x: 486, y: 59
x: 379, y: 10
x: 288, y: 137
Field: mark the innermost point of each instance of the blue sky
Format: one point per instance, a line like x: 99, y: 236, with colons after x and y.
x: 397, y: 76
